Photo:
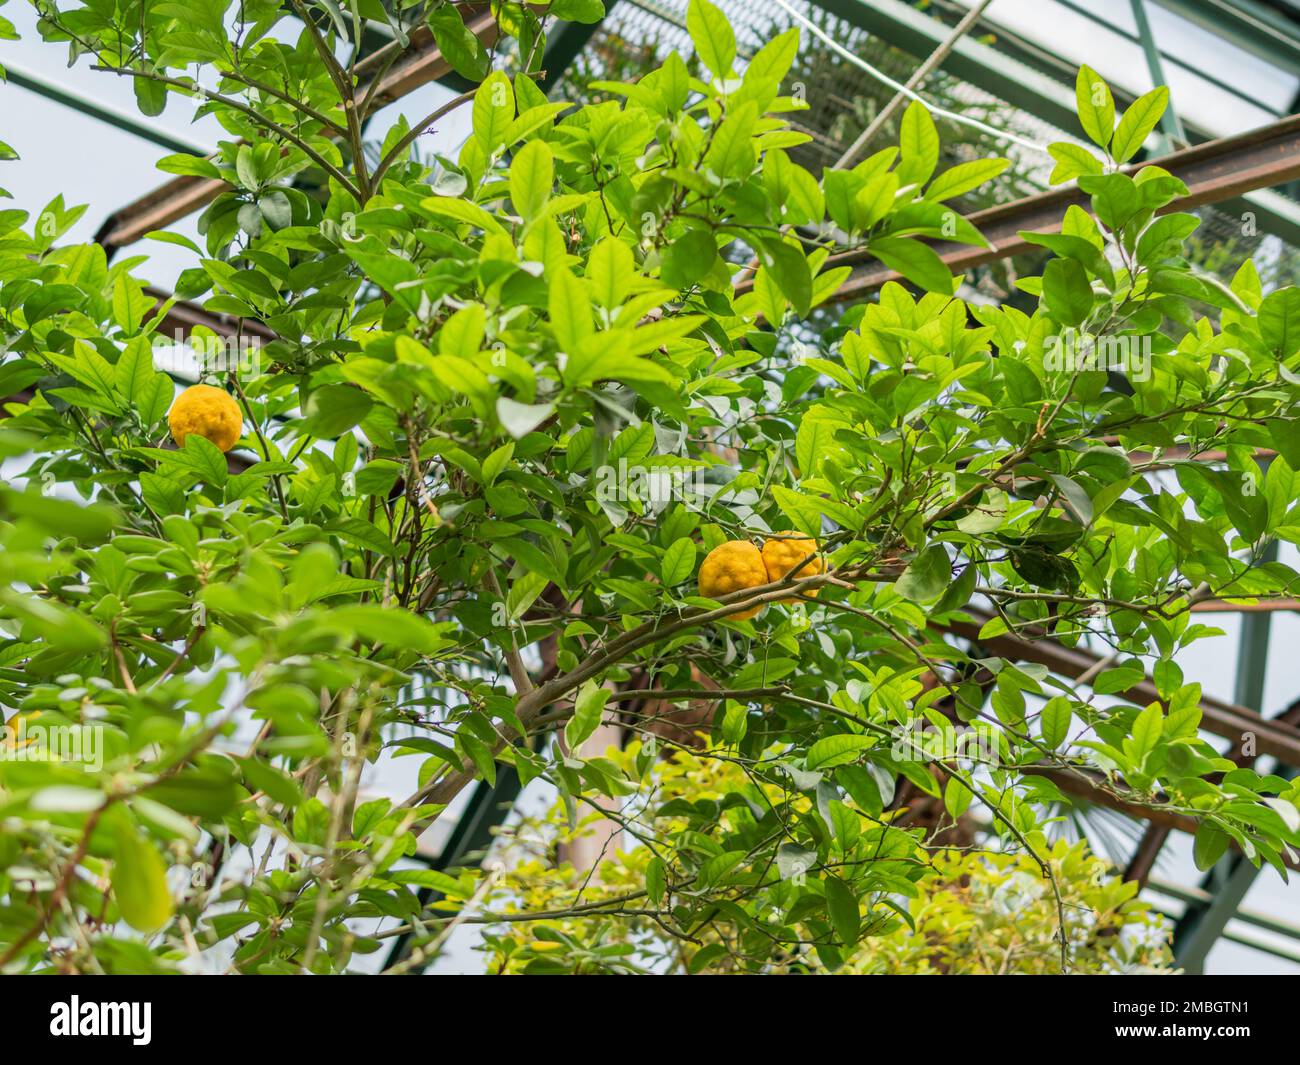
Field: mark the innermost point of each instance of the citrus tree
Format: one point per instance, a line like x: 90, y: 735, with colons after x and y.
x: 538, y: 439
x: 962, y: 912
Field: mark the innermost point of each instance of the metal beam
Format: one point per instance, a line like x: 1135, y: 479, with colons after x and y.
x: 118, y: 117
x: 1186, y: 894
x: 1169, y: 120
x: 1215, y: 172
x: 1232, y: 876
x: 1251, y: 27
x: 487, y: 808
x: 183, y: 316
x: 1272, y: 737
x: 566, y: 44
x: 1087, y: 785
x: 1008, y: 79
x: 1018, y: 83
x: 413, y: 67
x: 1202, y: 925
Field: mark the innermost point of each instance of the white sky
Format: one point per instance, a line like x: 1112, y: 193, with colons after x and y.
x: 63, y: 151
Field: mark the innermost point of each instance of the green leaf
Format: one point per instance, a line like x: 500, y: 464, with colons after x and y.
x: 570, y: 310
x: 918, y: 145
x: 689, y: 258
x: 586, y: 11
x: 206, y: 459
x: 134, y: 374
x: 1286, y: 810
x: 261, y: 777
x: 1075, y: 495
x: 334, y: 409
x: 524, y: 592
x: 1067, y: 291
x: 610, y: 272
x: 956, y: 798
x: 60, y: 517
x: 917, y: 262
x: 842, y: 905
x: 391, y: 627
x: 1146, y: 731
x: 494, y: 111
x: 150, y: 96
x: 1138, y: 122
x: 655, y: 880
x: 520, y: 419
x: 587, y: 710
x: 1072, y: 161
x: 1209, y: 846
x: 986, y: 514
x: 532, y: 173
x: 926, y: 576
x: 802, y: 510
x: 840, y: 749
x: 963, y: 177
x: 479, y: 753
x: 715, y: 42
x: 1096, y: 106
x: 1055, y: 721
x: 1279, y: 321
x: 139, y: 880
x: 679, y: 562
x: 788, y: 267
x: 66, y: 799
x: 189, y: 166
x: 793, y: 860
x: 458, y: 45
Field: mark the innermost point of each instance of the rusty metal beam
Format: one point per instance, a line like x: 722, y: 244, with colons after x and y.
x: 1265, y: 606
x: 1143, y: 862
x: 1214, y: 171
x: 1087, y: 785
x: 183, y: 316
x: 393, y: 71
x: 1273, y: 737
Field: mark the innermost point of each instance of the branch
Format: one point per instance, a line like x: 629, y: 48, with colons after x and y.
x: 410, y: 136
x: 244, y: 109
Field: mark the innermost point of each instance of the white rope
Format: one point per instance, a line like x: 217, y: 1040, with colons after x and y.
x: 898, y: 87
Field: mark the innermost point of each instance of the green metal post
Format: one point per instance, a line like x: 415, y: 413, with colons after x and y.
x: 120, y: 118
x: 1202, y: 924
x: 1170, y: 121
x: 1023, y: 86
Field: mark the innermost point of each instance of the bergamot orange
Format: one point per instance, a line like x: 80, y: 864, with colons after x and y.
x: 211, y: 413
x: 730, y: 567
x: 783, y: 551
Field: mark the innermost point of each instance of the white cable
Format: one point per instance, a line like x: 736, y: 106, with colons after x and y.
x: 857, y: 61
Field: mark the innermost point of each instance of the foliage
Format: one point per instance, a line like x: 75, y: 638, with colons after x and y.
x: 446, y: 536
x: 961, y: 912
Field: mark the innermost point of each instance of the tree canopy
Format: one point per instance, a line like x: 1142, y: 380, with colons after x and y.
x: 507, y: 402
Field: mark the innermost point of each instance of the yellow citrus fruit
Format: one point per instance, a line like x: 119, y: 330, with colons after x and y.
x: 10, y: 730
x: 211, y: 413
x: 784, y: 551
x: 730, y: 567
